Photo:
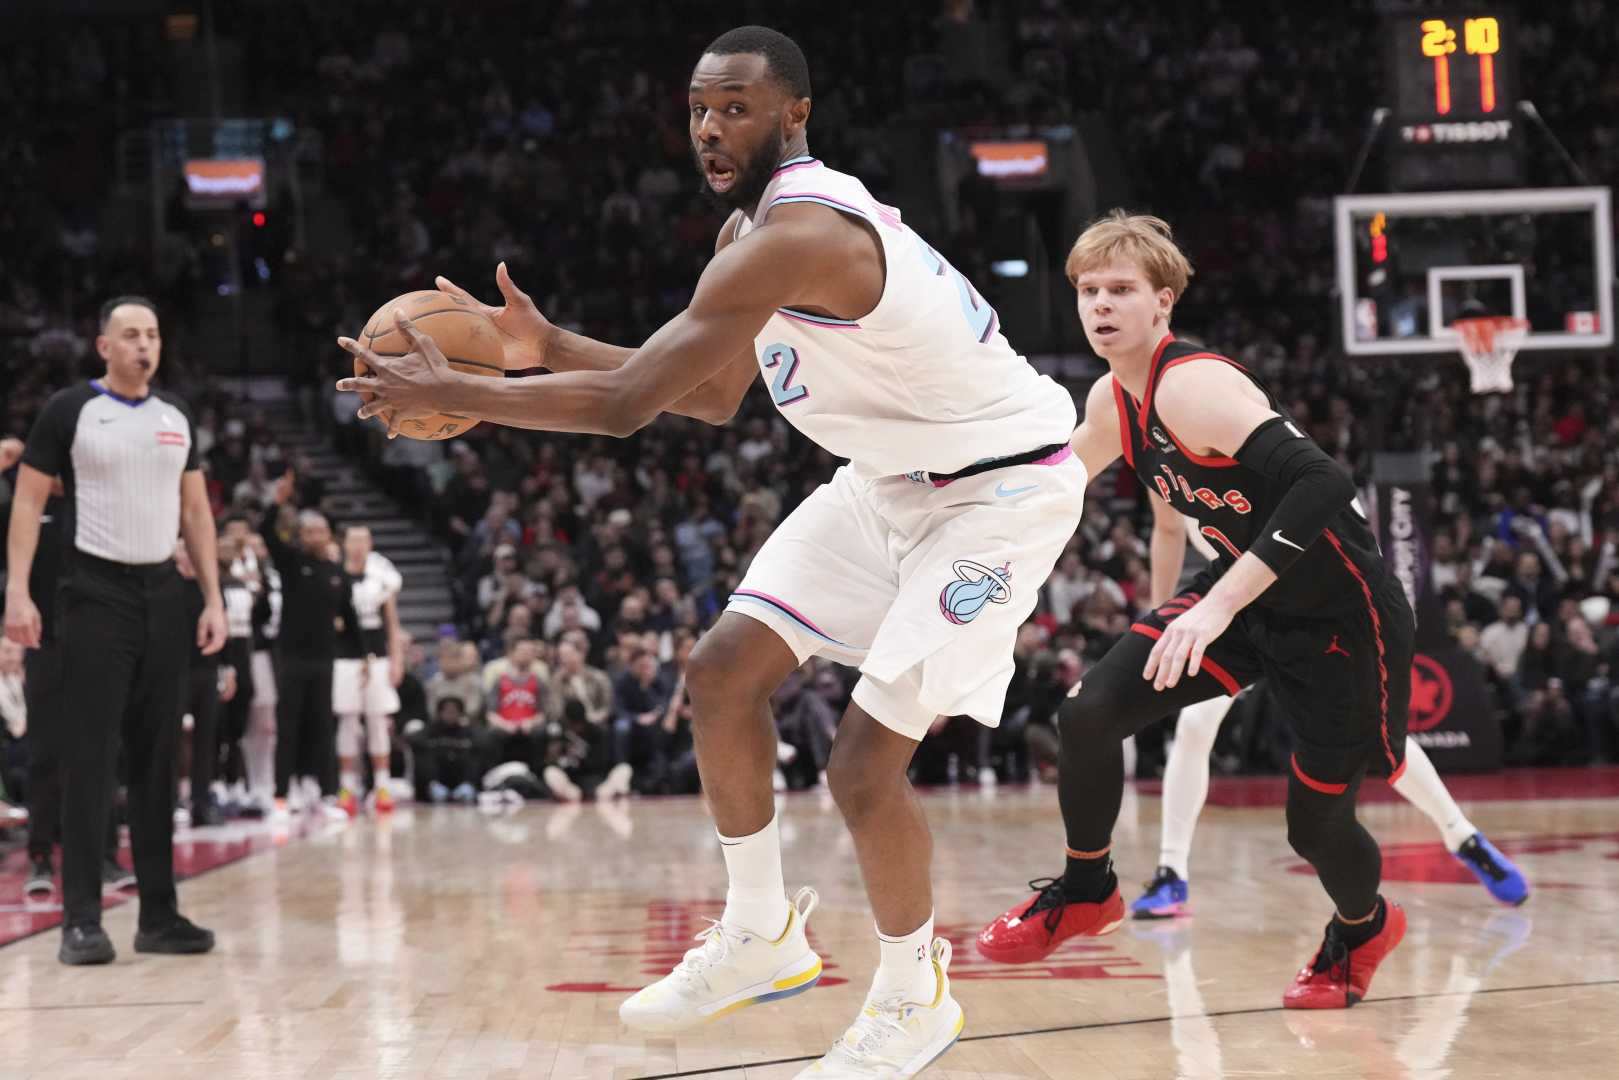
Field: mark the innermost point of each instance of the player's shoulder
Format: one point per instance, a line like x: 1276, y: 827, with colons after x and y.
x: 1188, y: 373
x: 1100, y: 397
x: 728, y: 232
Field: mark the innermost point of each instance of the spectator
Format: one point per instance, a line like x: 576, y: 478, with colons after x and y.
x: 459, y: 675
x: 805, y: 726
x: 1503, y: 641
x: 443, y: 752
x: 641, y: 738
x: 576, y: 680
x: 516, y: 702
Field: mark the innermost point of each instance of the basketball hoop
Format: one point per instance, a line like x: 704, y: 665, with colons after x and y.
x: 1488, y: 344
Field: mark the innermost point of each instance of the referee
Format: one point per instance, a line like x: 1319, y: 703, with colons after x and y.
x: 126, y: 456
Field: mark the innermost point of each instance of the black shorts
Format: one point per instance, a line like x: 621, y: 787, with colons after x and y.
x: 1343, y: 681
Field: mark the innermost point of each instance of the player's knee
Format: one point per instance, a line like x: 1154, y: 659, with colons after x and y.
x: 855, y: 786
x: 1309, y: 835
x: 1090, y: 715
x: 705, y: 669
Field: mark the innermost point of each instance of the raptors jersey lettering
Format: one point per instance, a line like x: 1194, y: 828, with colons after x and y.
x: 517, y: 700
x: 925, y: 380
x: 1230, y: 502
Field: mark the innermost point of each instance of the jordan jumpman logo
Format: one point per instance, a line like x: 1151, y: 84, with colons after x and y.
x: 1335, y: 647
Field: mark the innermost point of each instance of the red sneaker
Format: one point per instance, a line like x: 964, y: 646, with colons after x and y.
x: 1338, y: 977
x: 1034, y: 928
x: 347, y: 803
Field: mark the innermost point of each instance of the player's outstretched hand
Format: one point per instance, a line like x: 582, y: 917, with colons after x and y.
x: 1180, y: 649
x: 524, y: 332
x: 400, y: 388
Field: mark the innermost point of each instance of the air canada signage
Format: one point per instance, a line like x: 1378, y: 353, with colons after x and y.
x: 1450, y: 715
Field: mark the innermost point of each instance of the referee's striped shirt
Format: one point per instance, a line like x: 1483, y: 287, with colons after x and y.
x: 120, y: 461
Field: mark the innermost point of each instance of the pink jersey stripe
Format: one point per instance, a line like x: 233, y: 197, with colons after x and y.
x: 789, y: 609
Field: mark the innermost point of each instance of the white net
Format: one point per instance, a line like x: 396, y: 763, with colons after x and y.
x: 1488, y: 345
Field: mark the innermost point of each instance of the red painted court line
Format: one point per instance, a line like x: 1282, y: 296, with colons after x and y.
x: 194, y: 853
x: 1513, y: 785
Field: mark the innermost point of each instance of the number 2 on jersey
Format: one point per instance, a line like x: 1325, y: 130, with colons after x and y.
x: 784, y: 358
x: 981, y: 319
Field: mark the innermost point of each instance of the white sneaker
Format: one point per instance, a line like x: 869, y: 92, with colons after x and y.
x: 331, y: 811
x: 893, y: 1038
x: 732, y: 969
x: 562, y: 788
x: 778, y: 781
x: 617, y: 784
x: 986, y: 778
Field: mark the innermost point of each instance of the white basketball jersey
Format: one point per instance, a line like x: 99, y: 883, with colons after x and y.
x: 926, y: 380
x: 380, y: 583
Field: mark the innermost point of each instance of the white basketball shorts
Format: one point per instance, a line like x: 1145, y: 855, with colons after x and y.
x: 921, y: 587
x: 376, y: 698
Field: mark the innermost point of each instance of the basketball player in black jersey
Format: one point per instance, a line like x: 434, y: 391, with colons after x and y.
x: 1299, y: 595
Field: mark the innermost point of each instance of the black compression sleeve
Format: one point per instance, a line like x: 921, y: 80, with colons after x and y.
x: 1314, y: 489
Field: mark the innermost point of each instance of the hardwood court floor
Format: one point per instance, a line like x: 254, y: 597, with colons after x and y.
x: 446, y: 944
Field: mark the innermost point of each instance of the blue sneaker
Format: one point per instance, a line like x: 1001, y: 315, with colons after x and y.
x: 437, y: 791
x: 464, y: 793
x: 1494, y: 870
x: 1166, y: 897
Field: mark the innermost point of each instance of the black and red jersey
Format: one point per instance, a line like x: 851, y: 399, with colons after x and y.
x: 1231, y: 502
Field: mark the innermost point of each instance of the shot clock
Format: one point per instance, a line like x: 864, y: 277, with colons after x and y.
x: 1454, y: 79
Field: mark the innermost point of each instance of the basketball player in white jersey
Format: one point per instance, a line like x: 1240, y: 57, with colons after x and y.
x: 363, y: 686
x: 1186, y: 772
x: 916, y: 562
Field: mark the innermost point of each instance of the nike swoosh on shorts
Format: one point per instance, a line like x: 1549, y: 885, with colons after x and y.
x: 1280, y: 539
x: 1002, y: 492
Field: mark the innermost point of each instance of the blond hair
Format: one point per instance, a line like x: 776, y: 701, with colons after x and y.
x: 1137, y: 238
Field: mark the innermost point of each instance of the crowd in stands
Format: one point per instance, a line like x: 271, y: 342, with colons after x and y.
x: 554, y: 139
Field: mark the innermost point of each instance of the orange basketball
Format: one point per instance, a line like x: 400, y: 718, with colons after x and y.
x: 468, y: 340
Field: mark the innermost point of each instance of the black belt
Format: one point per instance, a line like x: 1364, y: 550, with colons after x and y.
x: 1039, y: 453
x: 133, y: 571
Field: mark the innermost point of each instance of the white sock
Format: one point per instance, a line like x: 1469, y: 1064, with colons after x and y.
x: 380, y: 776
x: 1421, y: 787
x: 1186, y: 780
x: 907, y: 965
x: 351, y: 779
x: 756, y: 898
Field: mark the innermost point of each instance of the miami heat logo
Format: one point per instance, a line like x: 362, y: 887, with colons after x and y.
x: 975, y: 585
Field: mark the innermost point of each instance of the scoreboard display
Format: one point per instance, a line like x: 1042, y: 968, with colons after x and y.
x: 1454, y: 80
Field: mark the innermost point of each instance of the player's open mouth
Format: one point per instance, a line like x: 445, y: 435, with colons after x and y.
x: 721, y: 173
x: 1105, y: 330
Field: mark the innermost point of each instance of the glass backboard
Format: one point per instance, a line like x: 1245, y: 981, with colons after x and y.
x: 1410, y: 265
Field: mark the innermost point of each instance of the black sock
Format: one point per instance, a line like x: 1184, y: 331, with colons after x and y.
x: 1088, y: 881
x: 1354, y: 935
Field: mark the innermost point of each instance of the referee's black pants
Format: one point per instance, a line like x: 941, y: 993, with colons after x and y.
x: 305, y: 742
x: 43, y: 692
x: 126, y: 636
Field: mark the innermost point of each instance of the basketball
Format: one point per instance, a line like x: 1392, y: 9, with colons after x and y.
x: 468, y: 340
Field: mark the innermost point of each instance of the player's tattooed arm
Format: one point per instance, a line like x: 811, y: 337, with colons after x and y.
x: 787, y: 263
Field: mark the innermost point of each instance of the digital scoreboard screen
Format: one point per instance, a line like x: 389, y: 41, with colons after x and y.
x: 1453, y: 77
